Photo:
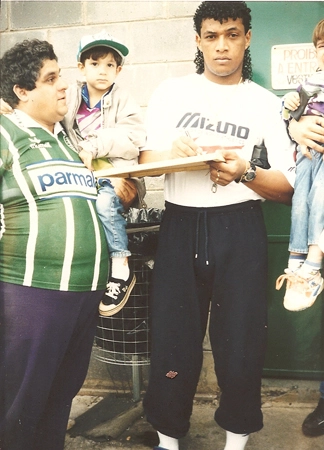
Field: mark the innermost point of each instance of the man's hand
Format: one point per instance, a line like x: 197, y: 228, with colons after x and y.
x: 269, y: 184
x: 86, y: 158
x: 184, y: 146
x: 125, y: 189
x: 223, y: 173
x: 308, y: 132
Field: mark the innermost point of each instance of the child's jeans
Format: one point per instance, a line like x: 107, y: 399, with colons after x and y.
x: 110, y: 209
x: 307, y: 214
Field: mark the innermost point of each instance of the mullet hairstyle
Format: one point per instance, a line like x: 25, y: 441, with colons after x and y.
x: 21, y: 65
x: 222, y: 11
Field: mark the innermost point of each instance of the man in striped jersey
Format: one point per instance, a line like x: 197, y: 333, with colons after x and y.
x: 53, y: 262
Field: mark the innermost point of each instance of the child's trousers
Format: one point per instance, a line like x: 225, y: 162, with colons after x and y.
x: 307, y: 212
x: 110, y: 209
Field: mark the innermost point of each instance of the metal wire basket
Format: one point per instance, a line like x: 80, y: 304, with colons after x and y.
x: 125, y: 337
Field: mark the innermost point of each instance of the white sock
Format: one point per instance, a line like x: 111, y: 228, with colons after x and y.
x: 168, y: 442
x: 295, y: 261
x: 235, y: 441
x: 309, y: 269
x: 119, y: 268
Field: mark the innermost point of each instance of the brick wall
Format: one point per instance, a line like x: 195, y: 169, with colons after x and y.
x: 159, y: 35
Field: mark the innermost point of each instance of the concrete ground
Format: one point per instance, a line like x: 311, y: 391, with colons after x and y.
x: 113, y: 422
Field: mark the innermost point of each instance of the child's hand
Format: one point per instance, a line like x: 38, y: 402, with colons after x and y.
x: 125, y: 189
x: 4, y: 107
x: 292, y: 101
x: 86, y: 158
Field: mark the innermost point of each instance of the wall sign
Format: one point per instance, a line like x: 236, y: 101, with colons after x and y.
x: 291, y: 64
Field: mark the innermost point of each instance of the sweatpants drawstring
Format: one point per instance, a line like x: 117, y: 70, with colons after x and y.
x: 204, y: 216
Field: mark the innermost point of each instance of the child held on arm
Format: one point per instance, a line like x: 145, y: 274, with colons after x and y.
x: 306, y: 245
x: 105, y: 125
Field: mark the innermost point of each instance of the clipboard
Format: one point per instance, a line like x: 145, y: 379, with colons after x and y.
x: 191, y: 163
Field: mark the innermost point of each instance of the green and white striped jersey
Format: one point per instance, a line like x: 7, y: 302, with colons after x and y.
x: 50, y: 236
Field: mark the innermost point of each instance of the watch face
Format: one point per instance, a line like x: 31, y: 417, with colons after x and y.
x: 250, y: 175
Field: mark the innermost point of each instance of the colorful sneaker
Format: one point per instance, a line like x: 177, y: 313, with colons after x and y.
x: 301, y: 292
x: 116, y: 295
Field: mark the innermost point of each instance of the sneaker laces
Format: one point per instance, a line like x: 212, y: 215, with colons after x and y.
x: 297, y: 282
x: 289, y: 277
x: 113, y: 289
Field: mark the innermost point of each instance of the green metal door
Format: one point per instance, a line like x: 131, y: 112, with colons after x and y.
x: 295, y: 339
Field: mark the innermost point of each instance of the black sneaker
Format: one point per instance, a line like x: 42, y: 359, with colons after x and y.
x: 116, y: 295
x: 313, y: 425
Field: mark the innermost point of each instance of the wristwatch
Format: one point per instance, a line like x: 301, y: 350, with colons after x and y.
x: 249, y: 174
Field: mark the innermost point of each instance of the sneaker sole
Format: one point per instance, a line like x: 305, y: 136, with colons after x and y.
x: 114, y: 311
x: 302, y: 308
x: 313, y: 432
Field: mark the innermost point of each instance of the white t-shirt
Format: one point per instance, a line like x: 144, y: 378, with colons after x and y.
x: 236, y: 115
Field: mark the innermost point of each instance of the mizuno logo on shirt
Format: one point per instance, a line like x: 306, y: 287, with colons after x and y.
x: 56, y: 178
x: 196, y: 120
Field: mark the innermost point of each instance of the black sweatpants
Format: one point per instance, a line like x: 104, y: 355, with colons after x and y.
x: 208, y: 259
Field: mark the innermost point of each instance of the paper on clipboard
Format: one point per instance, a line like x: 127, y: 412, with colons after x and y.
x: 199, y: 162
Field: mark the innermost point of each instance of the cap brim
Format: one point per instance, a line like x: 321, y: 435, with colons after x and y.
x: 120, y: 48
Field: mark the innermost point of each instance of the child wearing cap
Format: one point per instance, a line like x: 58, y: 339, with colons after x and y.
x: 105, y: 125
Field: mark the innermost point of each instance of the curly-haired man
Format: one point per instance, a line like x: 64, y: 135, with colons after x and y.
x: 212, y: 251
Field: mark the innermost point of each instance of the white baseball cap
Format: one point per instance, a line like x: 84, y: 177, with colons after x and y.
x: 102, y: 39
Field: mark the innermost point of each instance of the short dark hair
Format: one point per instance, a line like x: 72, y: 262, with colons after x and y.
x: 21, y: 66
x: 100, y: 52
x: 222, y: 11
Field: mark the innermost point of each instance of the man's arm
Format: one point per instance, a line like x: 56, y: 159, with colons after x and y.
x: 269, y: 184
x: 272, y: 185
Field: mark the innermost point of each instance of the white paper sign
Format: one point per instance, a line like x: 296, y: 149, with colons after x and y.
x: 291, y: 64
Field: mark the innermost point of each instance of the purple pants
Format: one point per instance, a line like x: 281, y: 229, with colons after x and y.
x: 45, y: 347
